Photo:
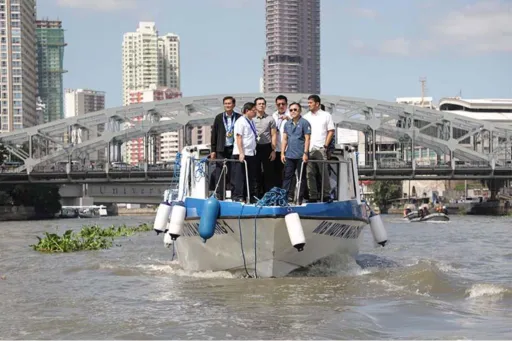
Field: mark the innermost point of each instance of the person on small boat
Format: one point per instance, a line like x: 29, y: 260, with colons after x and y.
x: 222, y: 143
x: 280, y: 117
x: 245, y: 150
x: 295, y: 144
x: 322, y: 132
x: 266, y: 146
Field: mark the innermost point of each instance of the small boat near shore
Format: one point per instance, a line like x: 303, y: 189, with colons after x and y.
x: 423, y: 214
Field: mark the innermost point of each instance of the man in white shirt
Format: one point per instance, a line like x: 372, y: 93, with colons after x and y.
x: 322, y: 132
x: 281, y: 116
x: 246, y: 139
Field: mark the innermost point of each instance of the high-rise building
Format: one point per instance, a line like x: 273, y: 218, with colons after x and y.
x: 50, y: 68
x: 150, y: 60
x: 151, y: 72
x: 82, y: 101
x: 18, y: 65
x: 292, y: 61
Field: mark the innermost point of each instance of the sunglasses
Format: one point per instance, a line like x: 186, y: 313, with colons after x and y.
x: 294, y: 109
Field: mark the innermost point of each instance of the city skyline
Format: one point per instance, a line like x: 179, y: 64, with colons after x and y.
x: 363, y: 55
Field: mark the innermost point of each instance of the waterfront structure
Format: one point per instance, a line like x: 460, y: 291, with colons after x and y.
x: 422, y: 102
x: 18, y: 84
x: 151, y: 72
x: 494, y: 110
x: 50, y: 68
x: 292, y: 60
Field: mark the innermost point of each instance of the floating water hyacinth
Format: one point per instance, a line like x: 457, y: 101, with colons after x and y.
x: 93, y: 237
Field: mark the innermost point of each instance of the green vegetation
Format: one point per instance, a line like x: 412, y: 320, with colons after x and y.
x: 92, y: 237
x: 386, y: 191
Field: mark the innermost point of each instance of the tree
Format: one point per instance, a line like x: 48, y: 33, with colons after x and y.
x: 3, y: 154
x: 44, y: 198
x: 386, y: 191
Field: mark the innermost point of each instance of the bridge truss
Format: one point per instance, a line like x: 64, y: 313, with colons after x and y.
x: 449, y: 135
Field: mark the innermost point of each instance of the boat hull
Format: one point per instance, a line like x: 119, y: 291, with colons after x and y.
x: 263, y: 239
x: 432, y: 217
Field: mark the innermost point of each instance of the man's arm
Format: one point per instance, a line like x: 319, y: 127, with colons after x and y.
x: 284, y: 144
x: 307, y: 138
x: 240, y: 145
x: 330, y: 131
x: 213, y: 146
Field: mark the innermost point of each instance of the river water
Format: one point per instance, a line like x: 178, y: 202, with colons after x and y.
x: 434, y: 281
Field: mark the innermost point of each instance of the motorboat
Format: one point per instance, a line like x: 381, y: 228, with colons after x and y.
x: 422, y: 214
x: 269, y: 238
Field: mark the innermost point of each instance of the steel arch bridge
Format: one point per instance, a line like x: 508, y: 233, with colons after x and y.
x: 445, y: 133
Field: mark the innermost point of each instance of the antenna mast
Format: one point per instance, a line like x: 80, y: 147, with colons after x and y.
x: 423, y: 81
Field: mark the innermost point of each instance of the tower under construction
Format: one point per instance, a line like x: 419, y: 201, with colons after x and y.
x: 50, y: 68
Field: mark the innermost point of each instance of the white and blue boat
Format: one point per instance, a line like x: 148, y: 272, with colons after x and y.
x: 270, y: 238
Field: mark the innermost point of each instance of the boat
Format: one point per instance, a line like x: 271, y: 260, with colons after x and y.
x: 83, y: 211
x: 422, y: 214
x: 270, y: 238
x: 437, y: 216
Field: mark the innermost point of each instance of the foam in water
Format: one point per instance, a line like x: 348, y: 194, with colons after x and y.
x: 483, y: 289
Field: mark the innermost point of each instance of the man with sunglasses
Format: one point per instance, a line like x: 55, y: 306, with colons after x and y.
x: 223, y: 139
x: 281, y: 116
x: 295, y: 150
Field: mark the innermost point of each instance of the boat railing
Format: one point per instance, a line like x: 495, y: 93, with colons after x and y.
x: 334, y: 168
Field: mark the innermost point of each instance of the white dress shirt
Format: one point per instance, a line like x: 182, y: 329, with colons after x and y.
x: 280, y: 126
x: 243, y: 128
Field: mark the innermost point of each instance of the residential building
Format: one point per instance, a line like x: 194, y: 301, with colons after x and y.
x: 151, y: 72
x: 167, y: 144
x: 50, y: 68
x: 80, y: 102
x: 18, y: 65
x: 292, y: 61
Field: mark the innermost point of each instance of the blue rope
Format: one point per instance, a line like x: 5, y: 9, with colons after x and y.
x: 200, y: 169
x: 241, y: 241
x: 275, y: 197
x: 177, y: 166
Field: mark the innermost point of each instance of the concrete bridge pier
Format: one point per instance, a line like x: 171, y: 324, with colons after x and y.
x: 75, y: 195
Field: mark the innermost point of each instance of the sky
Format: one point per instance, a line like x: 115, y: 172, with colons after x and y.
x: 370, y: 49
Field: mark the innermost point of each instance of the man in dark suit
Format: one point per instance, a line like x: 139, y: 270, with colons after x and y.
x: 223, y: 139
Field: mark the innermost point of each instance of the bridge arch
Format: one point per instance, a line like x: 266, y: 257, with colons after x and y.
x: 444, y: 132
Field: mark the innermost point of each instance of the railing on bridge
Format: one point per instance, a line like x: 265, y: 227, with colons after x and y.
x: 63, y: 172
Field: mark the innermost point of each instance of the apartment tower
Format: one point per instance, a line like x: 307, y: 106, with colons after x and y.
x: 292, y: 61
x: 151, y: 65
x: 50, y: 68
x: 18, y: 65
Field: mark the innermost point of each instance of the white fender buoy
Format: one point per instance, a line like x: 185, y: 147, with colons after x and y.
x: 162, y: 217
x: 379, y: 233
x: 295, y: 231
x: 177, y: 220
x: 167, y: 240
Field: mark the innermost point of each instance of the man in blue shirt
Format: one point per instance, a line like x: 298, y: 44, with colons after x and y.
x: 295, y: 149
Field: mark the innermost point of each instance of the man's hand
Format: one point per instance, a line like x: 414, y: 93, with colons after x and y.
x: 305, y: 158
x: 241, y: 157
x: 272, y: 155
x: 213, y: 155
x: 283, y: 158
